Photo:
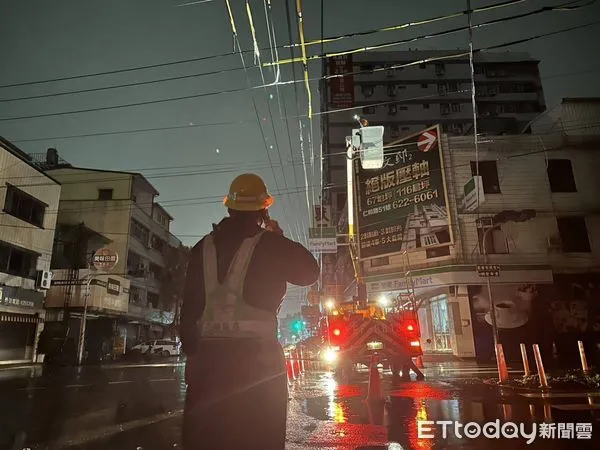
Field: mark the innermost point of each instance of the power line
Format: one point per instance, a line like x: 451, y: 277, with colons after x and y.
x: 541, y: 10
x: 177, y: 62
x: 249, y: 88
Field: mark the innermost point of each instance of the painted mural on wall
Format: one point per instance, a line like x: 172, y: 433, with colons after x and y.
x: 561, y: 314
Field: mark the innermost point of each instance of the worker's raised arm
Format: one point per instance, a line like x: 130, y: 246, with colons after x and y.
x: 297, y: 265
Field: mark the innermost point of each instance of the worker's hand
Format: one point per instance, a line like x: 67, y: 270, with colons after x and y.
x: 273, y: 225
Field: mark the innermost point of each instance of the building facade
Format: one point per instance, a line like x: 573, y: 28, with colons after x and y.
x: 29, y: 201
x: 114, y: 210
x: 411, y: 98
x: 547, y: 280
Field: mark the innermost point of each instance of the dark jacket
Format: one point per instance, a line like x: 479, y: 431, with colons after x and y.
x: 276, y: 262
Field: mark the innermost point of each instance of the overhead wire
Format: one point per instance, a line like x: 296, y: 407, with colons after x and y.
x: 282, y: 104
x: 365, y: 49
x: 218, y: 199
x: 181, y: 61
x: 307, y: 81
x: 255, y: 107
x: 272, y: 121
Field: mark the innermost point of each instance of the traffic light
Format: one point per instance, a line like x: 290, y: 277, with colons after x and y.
x: 297, y: 326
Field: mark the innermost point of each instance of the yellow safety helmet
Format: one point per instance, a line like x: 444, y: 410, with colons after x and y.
x: 248, y: 192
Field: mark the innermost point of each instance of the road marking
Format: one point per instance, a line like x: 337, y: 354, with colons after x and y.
x: 162, y: 379
x: 120, y: 382
x: 561, y: 394
x: 110, y: 430
x: 132, y: 366
x: 32, y: 388
x: 77, y: 385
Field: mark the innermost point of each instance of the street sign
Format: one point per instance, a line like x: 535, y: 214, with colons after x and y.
x: 105, y: 259
x: 427, y: 140
x: 370, y: 146
x: 322, y: 240
x: 473, y: 194
x: 488, y: 270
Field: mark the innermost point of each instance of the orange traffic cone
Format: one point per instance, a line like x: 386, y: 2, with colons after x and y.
x: 419, y: 362
x: 375, y: 390
x: 290, y: 369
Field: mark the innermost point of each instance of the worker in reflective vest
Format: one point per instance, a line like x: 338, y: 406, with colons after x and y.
x: 237, y: 277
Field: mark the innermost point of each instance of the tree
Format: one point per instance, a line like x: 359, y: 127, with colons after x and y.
x: 173, y: 283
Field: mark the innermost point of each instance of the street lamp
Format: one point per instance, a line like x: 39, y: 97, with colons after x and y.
x: 498, y: 220
x: 329, y: 304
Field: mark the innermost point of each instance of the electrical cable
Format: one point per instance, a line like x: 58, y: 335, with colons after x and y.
x: 328, y: 77
x: 354, y: 51
x: 181, y: 61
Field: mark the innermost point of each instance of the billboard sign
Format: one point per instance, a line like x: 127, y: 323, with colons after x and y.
x: 473, y: 194
x: 341, y: 88
x: 403, y: 205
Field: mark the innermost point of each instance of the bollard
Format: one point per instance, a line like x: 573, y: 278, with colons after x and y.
x: 584, y: 364
x: 297, y: 362
x: 540, y: 366
x: 292, y: 367
x: 502, y: 369
x: 302, y: 360
x: 525, y: 360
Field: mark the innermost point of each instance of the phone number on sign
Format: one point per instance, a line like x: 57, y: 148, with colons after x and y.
x: 419, y: 198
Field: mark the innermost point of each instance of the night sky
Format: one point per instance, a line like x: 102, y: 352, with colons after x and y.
x: 193, y: 162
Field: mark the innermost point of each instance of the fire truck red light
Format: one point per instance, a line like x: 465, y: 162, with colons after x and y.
x: 336, y: 332
x: 410, y: 328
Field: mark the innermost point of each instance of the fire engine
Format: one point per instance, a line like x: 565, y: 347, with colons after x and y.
x: 352, y: 334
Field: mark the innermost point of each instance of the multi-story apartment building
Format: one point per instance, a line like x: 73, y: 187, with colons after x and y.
x: 408, y: 99
x: 29, y: 201
x: 548, y: 277
x: 115, y: 210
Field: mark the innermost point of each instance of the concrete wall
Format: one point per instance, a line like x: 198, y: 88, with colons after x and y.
x: 18, y: 232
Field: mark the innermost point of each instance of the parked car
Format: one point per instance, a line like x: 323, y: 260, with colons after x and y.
x: 162, y: 347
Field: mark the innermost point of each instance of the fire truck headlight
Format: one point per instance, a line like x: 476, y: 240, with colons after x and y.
x: 330, y: 355
x: 415, y: 344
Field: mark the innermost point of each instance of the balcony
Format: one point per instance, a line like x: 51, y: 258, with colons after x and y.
x: 150, y: 314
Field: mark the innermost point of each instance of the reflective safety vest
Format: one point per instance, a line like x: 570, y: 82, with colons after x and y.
x: 226, y: 314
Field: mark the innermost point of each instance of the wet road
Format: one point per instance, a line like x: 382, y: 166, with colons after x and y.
x: 139, y: 408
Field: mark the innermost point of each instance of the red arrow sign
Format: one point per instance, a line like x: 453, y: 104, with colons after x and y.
x: 427, y: 140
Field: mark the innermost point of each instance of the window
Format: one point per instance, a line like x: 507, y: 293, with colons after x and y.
x: 495, y: 241
x: 140, y: 232
x: 423, y: 65
x: 560, y: 175
x: 437, y: 252
x: 403, y: 108
x: 23, y: 206
x: 425, y: 105
x: 369, y: 110
x: 152, y: 299
x: 17, y: 261
x: 444, y: 108
x: 391, y: 91
x: 105, y: 194
x: 573, y: 234
x: 368, y: 91
x: 157, y: 243
x: 440, y: 69
x: 455, y: 107
x: 405, y: 128
x: 392, y: 110
x: 136, y: 295
x: 424, y: 85
x: 489, y: 174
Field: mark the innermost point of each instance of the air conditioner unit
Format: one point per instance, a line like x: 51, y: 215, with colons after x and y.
x: 554, y: 243
x: 485, y: 222
x: 43, y: 279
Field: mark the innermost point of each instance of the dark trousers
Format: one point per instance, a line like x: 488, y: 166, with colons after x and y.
x: 237, y: 397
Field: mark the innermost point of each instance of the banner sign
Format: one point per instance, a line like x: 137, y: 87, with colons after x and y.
x: 341, y: 89
x: 403, y: 206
